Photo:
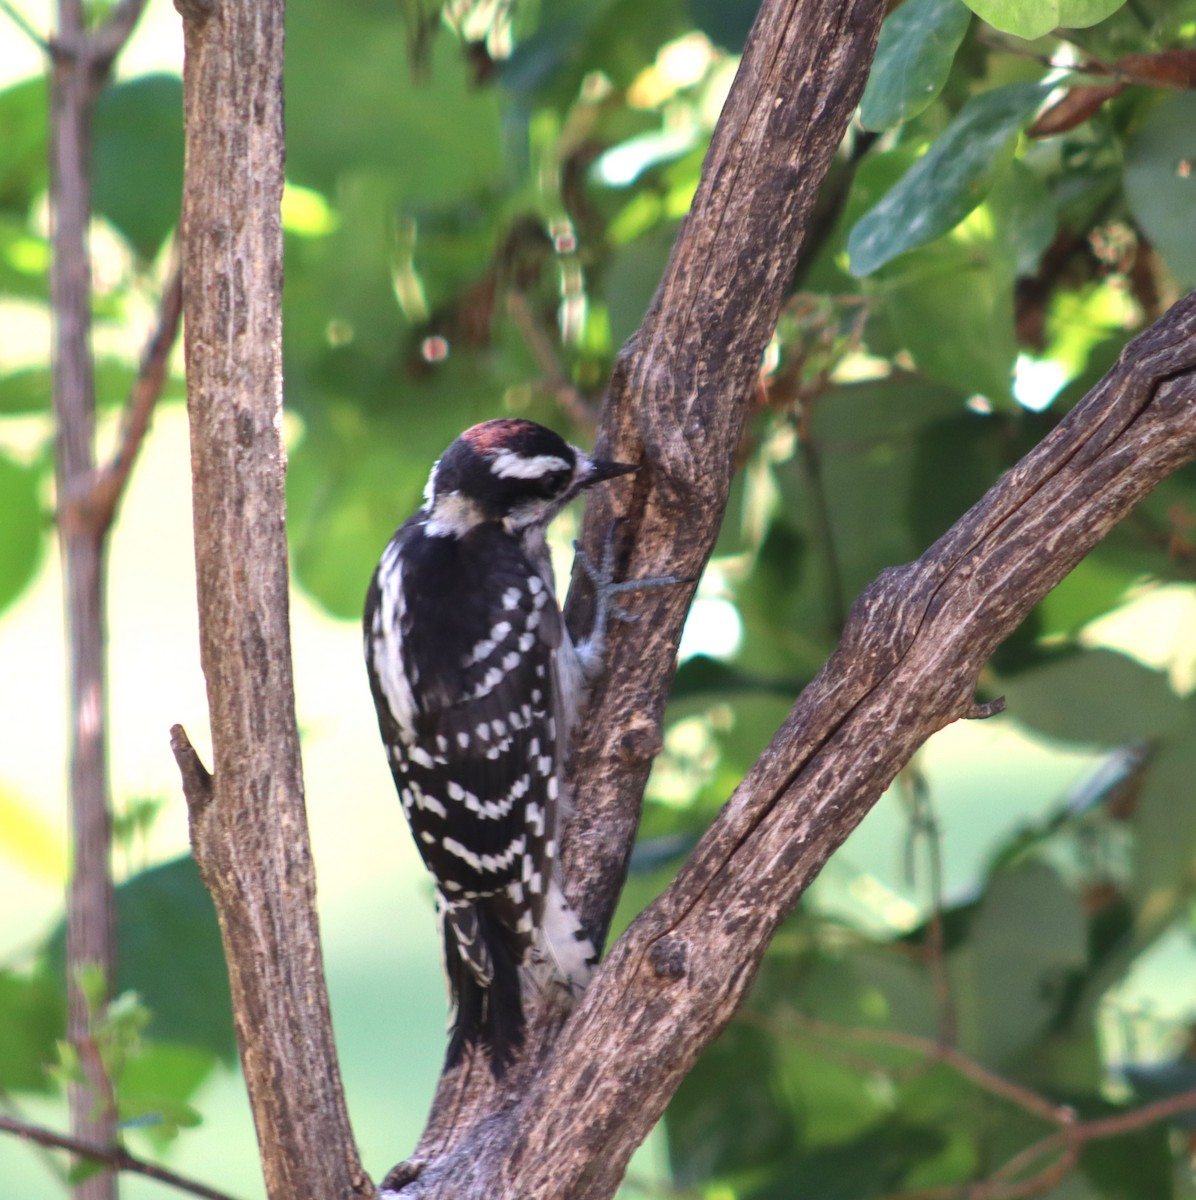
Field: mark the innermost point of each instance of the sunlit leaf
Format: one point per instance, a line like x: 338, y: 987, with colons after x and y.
x: 435, y: 136
x: 29, y: 840
x: 23, y: 528
x: 948, y: 181
x: 917, y: 45
x: 23, y: 159
x: 1032, y: 18
x: 1160, y: 182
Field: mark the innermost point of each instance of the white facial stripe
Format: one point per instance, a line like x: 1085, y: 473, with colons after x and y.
x: 452, y: 515
x: 508, y: 465
x: 430, y: 486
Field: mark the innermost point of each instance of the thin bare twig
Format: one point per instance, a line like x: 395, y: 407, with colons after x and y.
x: 107, y: 41
x: 1068, y: 1141
x: 924, y: 822
x: 556, y: 382
x: 950, y: 1056
x: 45, y: 1154
x: 97, y: 506
x: 19, y: 19
x: 116, y: 1157
x: 1070, y: 1135
x: 197, y: 779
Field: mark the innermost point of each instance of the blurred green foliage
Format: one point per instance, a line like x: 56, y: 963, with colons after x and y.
x: 482, y: 197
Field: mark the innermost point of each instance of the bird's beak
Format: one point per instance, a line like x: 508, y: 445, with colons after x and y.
x: 601, y: 468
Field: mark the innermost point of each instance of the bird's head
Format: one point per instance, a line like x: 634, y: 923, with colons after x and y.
x: 509, y: 470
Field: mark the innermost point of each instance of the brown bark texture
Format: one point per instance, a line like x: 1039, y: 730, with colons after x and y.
x: 677, y: 404
x: 248, y: 820
x: 913, y: 648
x: 566, y: 1120
x: 566, y: 1124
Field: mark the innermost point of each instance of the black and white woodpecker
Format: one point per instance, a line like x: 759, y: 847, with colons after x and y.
x: 478, y: 688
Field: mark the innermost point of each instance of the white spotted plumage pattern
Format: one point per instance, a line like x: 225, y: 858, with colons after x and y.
x: 478, y: 688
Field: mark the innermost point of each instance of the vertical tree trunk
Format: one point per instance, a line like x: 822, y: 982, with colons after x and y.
x: 248, y: 821
x: 90, y: 939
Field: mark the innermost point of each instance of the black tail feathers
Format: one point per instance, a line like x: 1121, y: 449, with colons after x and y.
x: 489, y: 1016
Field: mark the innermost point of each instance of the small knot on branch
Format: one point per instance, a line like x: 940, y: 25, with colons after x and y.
x: 641, y: 740
x: 669, y: 958
x: 399, y: 1176
x: 195, y: 11
x: 981, y: 712
x: 197, y: 779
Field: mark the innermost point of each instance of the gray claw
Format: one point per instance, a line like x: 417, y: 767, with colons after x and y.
x: 605, y: 589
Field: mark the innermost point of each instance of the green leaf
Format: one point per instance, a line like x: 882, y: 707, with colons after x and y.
x: 1160, y: 183
x: 1032, y: 18
x: 948, y: 181
x: 1027, y: 939
x: 724, y: 22
x: 1096, y: 697
x: 951, y: 307
x: 171, y: 956
x: 28, y: 390
x: 350, y: 484
x: 165, y: 919
x: 631, y: 279
x: 1094, y: 587
x: 24, y: 260
x: 1165, y: 832
x: 956, y: 461
x: 22, y: 530
x: 917, y: 46
x: 436, y: 137
x: 32, y: 1018
x: 727, y: 1115
x: 84, y: 1169
x: 23, y: 157
x: 1025, y: 218
x: 138, y: 159
x: 157, y: 1085
x: 1136, y: 1164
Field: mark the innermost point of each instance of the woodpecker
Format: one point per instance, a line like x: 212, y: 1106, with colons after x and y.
x: 478, y: 688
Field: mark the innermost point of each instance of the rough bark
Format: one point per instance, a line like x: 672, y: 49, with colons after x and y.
x: 248, y: 821
x: 567, y: 1119
x: 913, y: 648
x: 677, y: 404
x: 567, y: 1124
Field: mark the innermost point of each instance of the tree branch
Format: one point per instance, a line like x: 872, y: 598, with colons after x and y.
x: 996, y: 1085
x: 19, y: 19
x: 1069, y: 1140
x: 677, y: 404
x: 108, y: 39
x: 95, y: 505
x: 913, y: 647
x: 90, y: 928
x: 248, y: 820
x: 117, y: 1157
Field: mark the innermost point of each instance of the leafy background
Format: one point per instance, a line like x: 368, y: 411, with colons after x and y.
x: 479, y: 206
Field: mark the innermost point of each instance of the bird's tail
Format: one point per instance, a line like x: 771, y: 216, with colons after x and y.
x: 483, y: 977
x: 487, y: 963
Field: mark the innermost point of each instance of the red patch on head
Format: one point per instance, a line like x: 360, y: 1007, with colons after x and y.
x: 492, y: 436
